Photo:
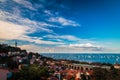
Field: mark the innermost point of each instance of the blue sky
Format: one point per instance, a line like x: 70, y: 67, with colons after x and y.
x: 71, y: 26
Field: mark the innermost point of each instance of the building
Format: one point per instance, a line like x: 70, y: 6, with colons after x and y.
x: 117, y: 66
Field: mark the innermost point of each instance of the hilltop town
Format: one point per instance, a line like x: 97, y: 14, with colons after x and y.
x: 23, y: 65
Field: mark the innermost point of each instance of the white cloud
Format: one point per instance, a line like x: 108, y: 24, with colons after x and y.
x: 16, y: 27
x: 16, y: 11
x: 60, y: 49
x: 2, y: 0
x: 38, y: 41
x: 65, y: 37
x: 30, y: 47
x: 48, y: 13
x: 35, y: 48
x: 36, y: 26
x: 26, y: 4
x: 69, y: 37
x: 63, y: 21
x: 87, y: 47
x: 82, y: 45
x: 10, y: 31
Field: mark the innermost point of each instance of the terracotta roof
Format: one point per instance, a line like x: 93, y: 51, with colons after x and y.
x: 3, y: 74
x: 116, y: 64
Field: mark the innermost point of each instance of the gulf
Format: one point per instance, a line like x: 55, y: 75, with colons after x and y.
x: 87, y: 57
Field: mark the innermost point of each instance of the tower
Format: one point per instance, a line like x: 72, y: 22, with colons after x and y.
x: 15, y: 43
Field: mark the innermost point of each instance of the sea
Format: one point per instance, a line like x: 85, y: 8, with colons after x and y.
x: 111, y: 58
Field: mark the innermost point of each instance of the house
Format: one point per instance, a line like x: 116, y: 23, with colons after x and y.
x: 116, y: 66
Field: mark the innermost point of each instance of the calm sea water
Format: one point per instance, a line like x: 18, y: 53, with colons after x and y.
x: 103, y: 58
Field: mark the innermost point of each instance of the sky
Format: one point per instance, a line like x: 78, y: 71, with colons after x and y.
x: 61, y: 26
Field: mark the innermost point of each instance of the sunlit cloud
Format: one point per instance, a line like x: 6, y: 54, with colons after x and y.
x: 61, y: 49
x: 40, y: 26
x: 10, y: 31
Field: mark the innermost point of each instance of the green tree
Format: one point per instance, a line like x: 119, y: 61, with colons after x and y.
x: 113, y: 74
x: 32, y: 72
x: 99, y: 74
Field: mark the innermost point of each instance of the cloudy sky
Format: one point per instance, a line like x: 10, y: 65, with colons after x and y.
x: 61, y: 26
